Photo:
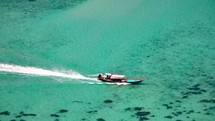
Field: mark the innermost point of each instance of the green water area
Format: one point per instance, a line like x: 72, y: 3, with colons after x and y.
x: 52, y: 50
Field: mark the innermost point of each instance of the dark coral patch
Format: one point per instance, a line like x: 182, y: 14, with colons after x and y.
x: 196, y: 85
x: 203, y: 90
x: 5, y: 113
x: 54, y: 115
x: 128, y: 109
x: 26, y: 114
x: 179, y: 112
x: 108, y: 101
x: 178, y: 101
x: 169, y: 117
x: 184, y: 97
x: 94, y: 111
x: 63, y: 111
x: 140, y: 113
x: 207, y: 114
x: 175, y: 114
x: 143, y: 119
x: 143, y: 113
x: 167, y: 106
x: 29, y: 114
x: 138, y: 108
x: 170, y: 102
x: 100, y: 119
x: 193, y: 90
x: 190, y: 111
x: 196, y: 93
x: 211, y: 108
x: 18, y: 116
x: 134, y: 109
x: 207, y: 101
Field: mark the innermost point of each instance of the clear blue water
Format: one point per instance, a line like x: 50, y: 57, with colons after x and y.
x: 50, y: 49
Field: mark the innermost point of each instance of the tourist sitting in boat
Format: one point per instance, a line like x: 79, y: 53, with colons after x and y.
x: 100, y: 77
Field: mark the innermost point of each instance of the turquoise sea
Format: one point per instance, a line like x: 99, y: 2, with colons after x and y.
x: 51, y: 50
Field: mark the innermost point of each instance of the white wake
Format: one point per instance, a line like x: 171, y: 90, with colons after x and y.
x: 27, y: 70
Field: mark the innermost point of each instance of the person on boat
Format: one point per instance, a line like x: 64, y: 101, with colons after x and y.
x: 100, y: 77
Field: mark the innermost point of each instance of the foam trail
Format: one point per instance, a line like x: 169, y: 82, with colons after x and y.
x: 40, y: 72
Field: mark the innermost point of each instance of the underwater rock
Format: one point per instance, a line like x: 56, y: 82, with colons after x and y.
x: 211, y: 108
x: 31, y: 0
x: 203, y: 90
x: 5, y: 113
x: 207, y: 101
x: 12, y: 120
x: 178, y: 101
x: 143, y: 119
x: 56, y: 120
x: 95, y: 111
x: 25, y: 114
x: 134, y: 109
x: 167, y: 106
x: 174, y: 114
x: 77, y: 102
x: 18, y: 116
x: 128, y: 109
x: 194, y: 88
x: 143, y: 113
x: 196, y: 85
x: 170, y: 102
x: 108, y: 101
x: 29, y: 114
x: 196, y: 93
x: 139, y: 113
x: 190, y: 111
x: 207, y: 113
x: 21, y: 112
x: 100, y: 119
x: 21, y: 120
x: 178, y: 106
x: 138, y: 108
x: 168, y: 117
x: 179, y: 112
x: 63, y: 111
x: 184, y: 97
x: 54, y: 115
x: 178, y: 120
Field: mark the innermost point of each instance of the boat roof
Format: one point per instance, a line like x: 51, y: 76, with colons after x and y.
x: 114, y: 76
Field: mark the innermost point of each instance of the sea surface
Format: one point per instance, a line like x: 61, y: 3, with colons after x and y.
x: 52, y: 50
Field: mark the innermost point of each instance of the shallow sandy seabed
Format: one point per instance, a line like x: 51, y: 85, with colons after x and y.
x: 169, y: 42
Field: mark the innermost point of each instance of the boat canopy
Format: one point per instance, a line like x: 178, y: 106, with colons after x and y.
x: 117, y: 76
